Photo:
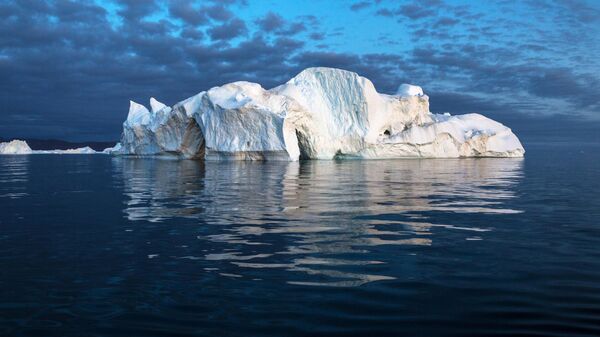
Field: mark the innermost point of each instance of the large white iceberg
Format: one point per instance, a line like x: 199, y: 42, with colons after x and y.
x: 322, y: 113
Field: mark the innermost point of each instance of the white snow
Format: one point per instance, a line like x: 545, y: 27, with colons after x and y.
x: 406, y: 90
x: 15, y: 147
x: 322, y: 113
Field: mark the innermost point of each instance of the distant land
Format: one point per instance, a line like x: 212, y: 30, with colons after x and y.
x: 56, y: 144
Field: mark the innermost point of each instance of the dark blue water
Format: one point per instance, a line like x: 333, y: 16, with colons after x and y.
x: 100, y: 246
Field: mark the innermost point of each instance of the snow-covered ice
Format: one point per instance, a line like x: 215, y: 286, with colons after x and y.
x: 113, y: 150
x: 405, y: 90
x: 322, y: 113
x: 21, y: 147
x: 81, y: 150
x: 15, y: 147
x: 162, y: 131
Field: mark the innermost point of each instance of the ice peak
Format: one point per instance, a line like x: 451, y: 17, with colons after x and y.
x: 138, y: 114
x: 155, y: 105
x: 310, y: 74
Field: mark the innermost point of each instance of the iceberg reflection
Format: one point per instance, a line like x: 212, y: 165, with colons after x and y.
x: 308, y: 217
x: 14, y: 173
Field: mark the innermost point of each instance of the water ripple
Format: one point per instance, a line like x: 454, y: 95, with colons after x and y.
x: 13, y: 176
x: 301, y: 217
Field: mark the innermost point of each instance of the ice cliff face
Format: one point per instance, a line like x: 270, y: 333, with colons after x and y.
x: 343, y: 114
x: 245, y: 121
x: 322, y: 113
x: 163, y: 130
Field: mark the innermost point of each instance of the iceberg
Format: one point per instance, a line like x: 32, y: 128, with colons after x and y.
x: 242, y: 120
x: 113, y: 150
x: 81, y: 150
x: 19, y: 147
x: 15, y: 147
x: 322, y: 113
x: 162, y: 131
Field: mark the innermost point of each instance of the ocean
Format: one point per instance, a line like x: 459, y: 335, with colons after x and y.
x: 93, y: 245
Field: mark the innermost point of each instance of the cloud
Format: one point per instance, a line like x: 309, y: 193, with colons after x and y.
x: 184, y: 10
x: 219, y: 12
x: 445, y: 21
x: 357, y: 6
x: 385, y: 12
x: 69, y: 68
x: 271, y: 22
x: 134, y: 10
x: 582, y: 11
x: 317, y: 36
x: 276, y: 24
x: 228, y: 30
x: 582, y: 90
x: 416, y: 11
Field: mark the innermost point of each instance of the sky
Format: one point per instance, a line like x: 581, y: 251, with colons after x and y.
x: 69, y: 68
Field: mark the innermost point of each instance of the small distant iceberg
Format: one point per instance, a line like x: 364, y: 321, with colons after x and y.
x: 322, y: 113
x: 15, y: 147
x: 20, y: 147
x: 81, y: 150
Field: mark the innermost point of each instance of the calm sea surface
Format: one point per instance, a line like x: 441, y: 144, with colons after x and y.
x: 92, y: 245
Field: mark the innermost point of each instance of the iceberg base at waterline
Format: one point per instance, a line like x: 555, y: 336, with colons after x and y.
x: 322, y: 113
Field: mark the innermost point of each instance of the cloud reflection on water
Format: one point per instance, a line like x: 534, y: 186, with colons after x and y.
x: 306, y: 216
